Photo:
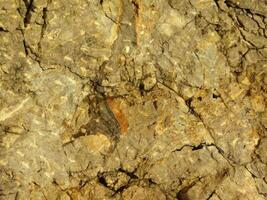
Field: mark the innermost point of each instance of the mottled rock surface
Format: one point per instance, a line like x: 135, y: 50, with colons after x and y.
x: 133, y: 99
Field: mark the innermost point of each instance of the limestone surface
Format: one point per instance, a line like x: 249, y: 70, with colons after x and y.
x: 133, y: 99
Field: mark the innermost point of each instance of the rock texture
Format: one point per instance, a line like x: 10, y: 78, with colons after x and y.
x: 133, y: 99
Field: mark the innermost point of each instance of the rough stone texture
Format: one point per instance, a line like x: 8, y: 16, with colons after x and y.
x: 133, y: 99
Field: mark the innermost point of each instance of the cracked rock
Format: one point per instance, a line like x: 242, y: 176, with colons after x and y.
x: 132, y: 100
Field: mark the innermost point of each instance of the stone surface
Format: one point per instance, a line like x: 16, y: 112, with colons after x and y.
x: 132, y: 99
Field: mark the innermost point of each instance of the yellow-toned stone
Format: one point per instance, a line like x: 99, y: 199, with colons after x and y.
x: 258, y: 103
x: 172, y: 21
x: 9, y: 140
x: 132, y: 99
x: 96, y: 143
x: 236, y: 91
x: 245, y: 81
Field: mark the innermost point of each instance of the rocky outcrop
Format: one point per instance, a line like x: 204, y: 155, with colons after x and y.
x: 131, y: 99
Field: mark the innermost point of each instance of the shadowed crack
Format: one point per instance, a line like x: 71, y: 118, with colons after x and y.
x: 29, y: 7
x: 43, y: 29
x: 199, y: 147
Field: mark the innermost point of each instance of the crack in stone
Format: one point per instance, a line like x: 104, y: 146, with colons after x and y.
x: 29, y: 7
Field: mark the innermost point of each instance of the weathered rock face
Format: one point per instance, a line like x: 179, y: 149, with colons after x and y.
x: 132, y: 99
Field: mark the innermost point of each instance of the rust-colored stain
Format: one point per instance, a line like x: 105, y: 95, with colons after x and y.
x: 114, y: 106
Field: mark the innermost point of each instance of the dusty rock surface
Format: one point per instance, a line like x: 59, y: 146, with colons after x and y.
x: 133, y: 99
